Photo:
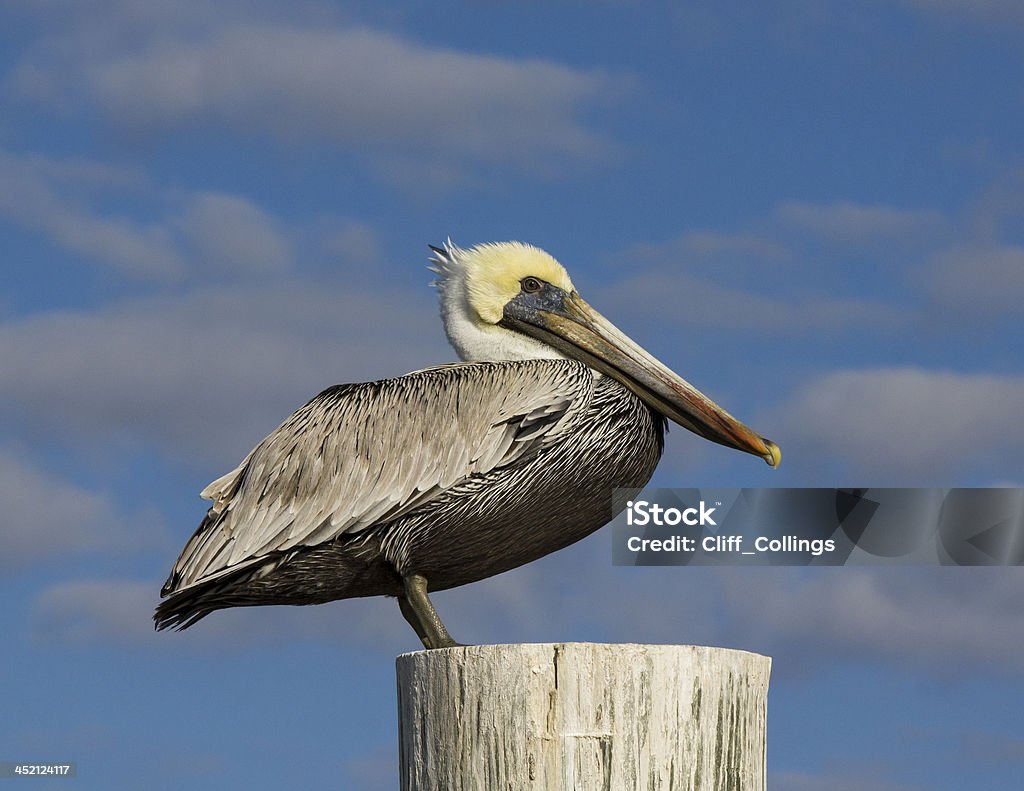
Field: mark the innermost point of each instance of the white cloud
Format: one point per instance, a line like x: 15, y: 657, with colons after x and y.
x: 942, y: 623
x: 351, y: 240
x: 99, y: 612
x: 904, y: 425
x: 380, y: 93
x: 68, y: 174
x: 997, y: 212
x: 352, y: 85
x: 187, y: 231
x: 231, y: 233
x: 948, y: 622
x: 939, y: 622
x: 706, y: 243
x: 35, y: 197
x: 974, y: 283
x: 45, y: 516
x: 210, y: 373
x: 851, y: 222
x: 678, y: 298
x: 94, y: 612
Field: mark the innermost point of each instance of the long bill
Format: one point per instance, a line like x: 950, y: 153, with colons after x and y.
x: 566, y: 322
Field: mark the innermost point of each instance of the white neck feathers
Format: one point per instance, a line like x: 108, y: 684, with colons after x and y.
x: 473, y: 338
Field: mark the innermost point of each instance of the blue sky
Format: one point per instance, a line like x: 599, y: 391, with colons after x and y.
x: 813, y: 210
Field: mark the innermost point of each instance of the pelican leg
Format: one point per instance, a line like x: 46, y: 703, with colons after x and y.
x: 421, y: 615
x: 410, y: 616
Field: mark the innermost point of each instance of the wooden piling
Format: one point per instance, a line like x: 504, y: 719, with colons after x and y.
x: 582, y: 716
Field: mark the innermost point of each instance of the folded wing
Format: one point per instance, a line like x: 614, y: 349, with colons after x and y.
x: 365, y: 454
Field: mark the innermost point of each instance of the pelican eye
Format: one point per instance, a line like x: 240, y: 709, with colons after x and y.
x: 531, y: 285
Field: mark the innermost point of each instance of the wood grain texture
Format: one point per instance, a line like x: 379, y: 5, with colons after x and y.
x: 588, y: 716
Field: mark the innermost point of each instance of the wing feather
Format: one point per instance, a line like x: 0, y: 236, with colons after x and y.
x: 364, y: 454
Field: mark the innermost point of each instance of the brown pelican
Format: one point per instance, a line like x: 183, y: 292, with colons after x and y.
x: 450, y: 474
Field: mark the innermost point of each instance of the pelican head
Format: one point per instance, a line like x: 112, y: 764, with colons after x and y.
x: 513, y: 301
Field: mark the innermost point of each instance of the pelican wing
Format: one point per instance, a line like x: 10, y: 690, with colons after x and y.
x: 363, y: 454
